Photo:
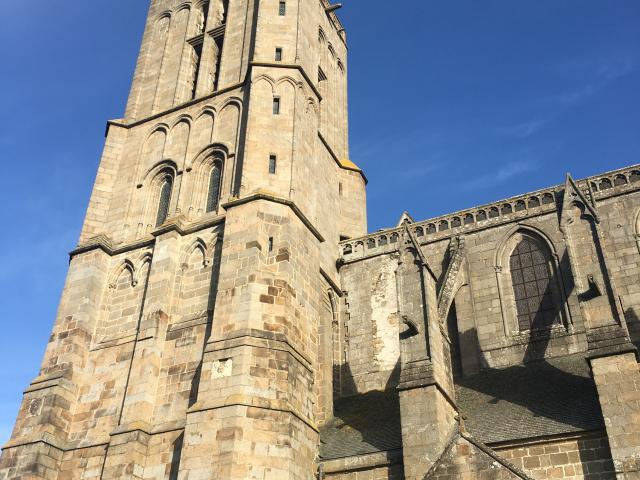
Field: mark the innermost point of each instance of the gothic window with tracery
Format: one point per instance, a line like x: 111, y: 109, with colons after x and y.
x: 532, y: 278
x: 213, y: 195
x: 165, y: 199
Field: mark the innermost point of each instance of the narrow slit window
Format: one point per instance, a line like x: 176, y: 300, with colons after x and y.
x: 273, y: 160
x: 202, y: 17
x: 270, y: 244
x: 219, y: 43
x: 276, y: 105
x: 164, y: 201
x: 340, y: 188
x: 213, y: 198
x: 278, y: 54
x: 197, y: 58
x: 282, y: 11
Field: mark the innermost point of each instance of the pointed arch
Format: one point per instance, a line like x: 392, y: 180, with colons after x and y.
x: 202, y: 132
x: 185, y: 117
x: 523, y: 228
x: 322, y: 37
x: 530, y: 282
x: 194, y: 283
x: 196, y: 245
x: 265, y: 78
x: 332, y: 51
x: 125, y: 267
x: 122, y: 303
x: 227, y: 125
x: 178, y: 140
x: 158, y: 199
x: 207, y: 179
x: 290, y: 80
x: 154, y: 145
x: 144, y: 261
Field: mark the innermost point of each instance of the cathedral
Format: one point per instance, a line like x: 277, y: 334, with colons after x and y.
x: 226, y: 315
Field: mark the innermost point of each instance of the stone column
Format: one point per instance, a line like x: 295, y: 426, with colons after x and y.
x: 427, y: 408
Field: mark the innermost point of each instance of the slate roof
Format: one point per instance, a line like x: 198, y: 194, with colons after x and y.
x: 556, y: 396
x: 551, y: 397
x: 362, y: 424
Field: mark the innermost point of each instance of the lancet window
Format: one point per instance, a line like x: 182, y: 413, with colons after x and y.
x: 166, y: 188
x: 213, y: 193
x: 534, y: 285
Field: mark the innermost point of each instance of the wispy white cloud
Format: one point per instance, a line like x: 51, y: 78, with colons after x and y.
x: 596, y: 73
x: 526, y: 129
x: 600, y: 74
x: 503, y: 174
x: 384, y: 145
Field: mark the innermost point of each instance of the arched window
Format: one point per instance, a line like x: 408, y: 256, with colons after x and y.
x: 213, y: 194
x: 165, y: 199
x: 533, y: 285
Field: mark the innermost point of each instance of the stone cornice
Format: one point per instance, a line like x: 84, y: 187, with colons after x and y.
x: 177, y: 224
x: 344, y: 164
x: 291, y: 66
x: 363, y: 461
x: 545, y: 203
x: 122, y: 123
x: 336, y: 289
x: 239, y: 400
x: 272, y: 197
x: 260, y: 339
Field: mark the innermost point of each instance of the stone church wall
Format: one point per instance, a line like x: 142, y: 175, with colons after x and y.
x: 487, y: 328
x: 373, y: 350
x: 585, y: 457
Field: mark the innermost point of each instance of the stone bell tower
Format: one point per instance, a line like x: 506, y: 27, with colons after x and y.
x: 189, y: 341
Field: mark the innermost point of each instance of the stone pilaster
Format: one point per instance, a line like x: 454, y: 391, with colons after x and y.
x: 253, y: 418
x: 427, y: 408
x: 612, y: 356
x: 126, y: 454
x: 617, y: 378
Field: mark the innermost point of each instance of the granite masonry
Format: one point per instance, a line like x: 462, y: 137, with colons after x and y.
x: 227, y: 316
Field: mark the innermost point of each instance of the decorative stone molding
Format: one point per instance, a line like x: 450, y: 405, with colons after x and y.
x: 452, y: 276
x: 511, y: 210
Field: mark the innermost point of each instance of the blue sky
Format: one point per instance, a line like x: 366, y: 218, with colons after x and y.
x: 453, y: 103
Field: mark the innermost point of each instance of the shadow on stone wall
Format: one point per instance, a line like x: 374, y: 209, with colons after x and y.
x: 540, y: 396
x: 211, y: 303
x: 175, y: 457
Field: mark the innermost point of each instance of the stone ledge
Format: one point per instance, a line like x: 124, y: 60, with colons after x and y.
x: 281, y: 406
x: 362, y: 462
x: 268, y: 196
x: 177, y: 224
x: 344, y: 164
x: 257, y: 338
